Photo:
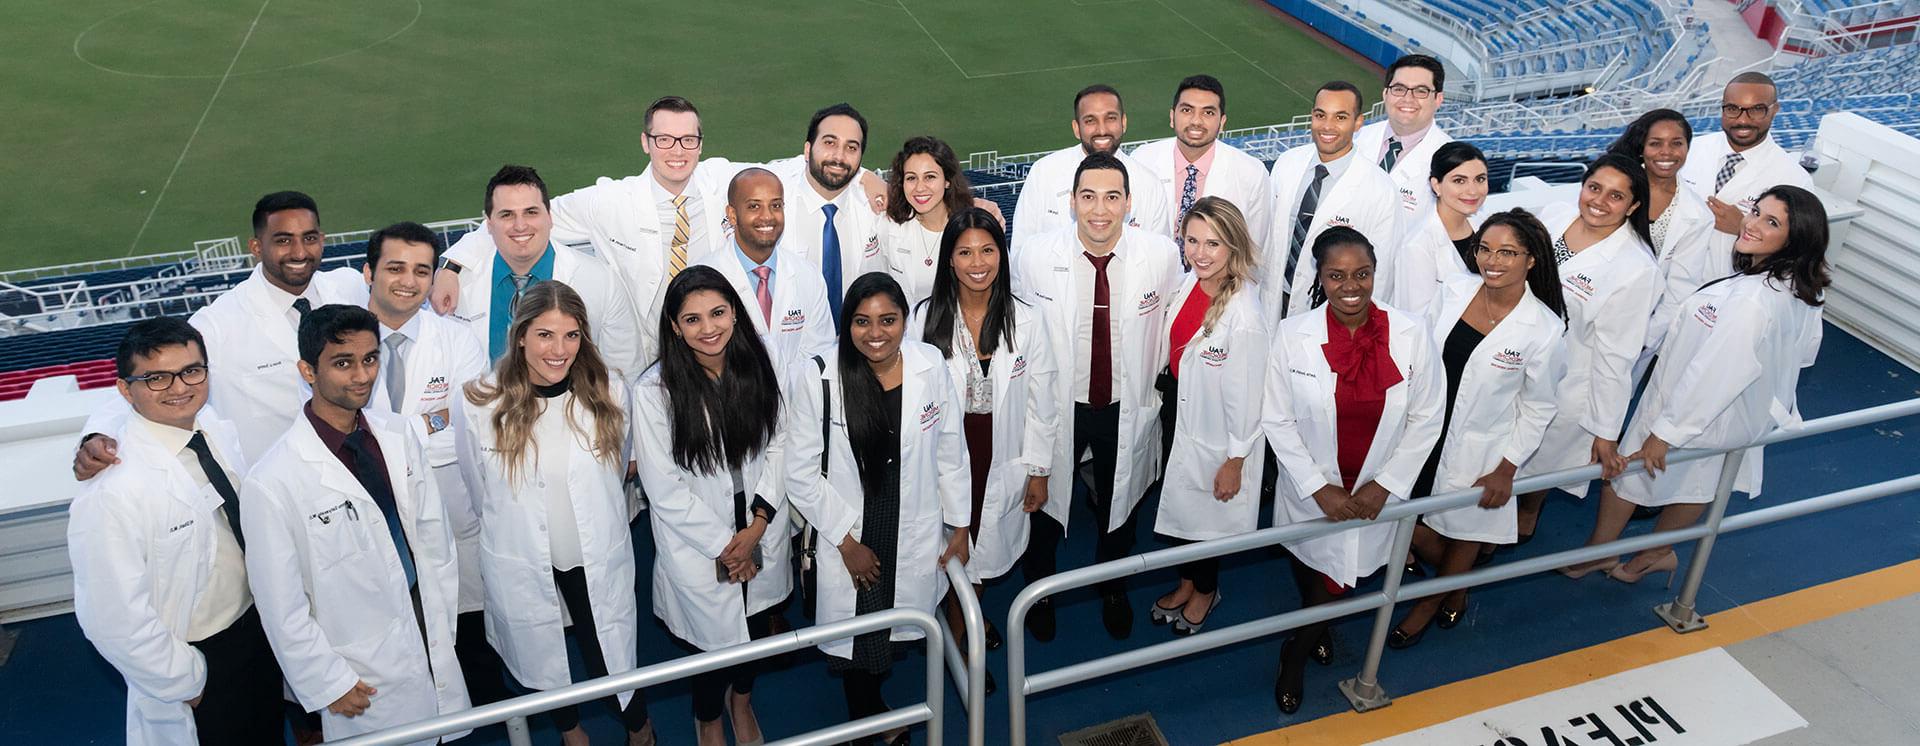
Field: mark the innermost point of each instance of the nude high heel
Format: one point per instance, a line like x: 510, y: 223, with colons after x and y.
x: 1667, y: 564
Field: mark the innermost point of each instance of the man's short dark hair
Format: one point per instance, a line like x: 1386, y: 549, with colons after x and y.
x: 1755, y: 77
x: 330, y: 324
x: 746, y: 174
x: 1099, y: 88
x: 666, y: 103
x: 1103, y: 162
x: 407, y: 231
x: 511, y: 175
x: 146, y: 336
x: 1423, y: 62
x: 1206, y: 83
x: 1359, y: 101
x: 842, y: 109
x: 279, y: 201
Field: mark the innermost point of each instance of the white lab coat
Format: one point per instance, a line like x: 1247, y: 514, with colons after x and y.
x: 802, y: 322
x: 1218, y: 418
x: 1728, y: 374
x: 935, y: 484
x: 1423, y: 263
x: 1504, y: 401
x: 442, y: 360
x: 1234, y: 176
x: 855, y: 222
x: 1767, y: 165
x: 1026, y: 408
x: 1610, y: 288
x: 1682, y: 262
x: 911, y: 252
x: 615, y: 331
x: 1149, y: 273
x: 327, y: 580
x: 1410, y: 171
x: 1362, y: 198
x: 693, y: 519
x: 1046, y: 200
x: 1301, y: 426
x: 524, y: 617
x: 253, y: 349
x: 141, y: 539
x: 620, y: 218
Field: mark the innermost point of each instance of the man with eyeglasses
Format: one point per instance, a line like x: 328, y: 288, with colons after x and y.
x: 1403, y: 144
x: 159, y: 566
x: 1733, y: 166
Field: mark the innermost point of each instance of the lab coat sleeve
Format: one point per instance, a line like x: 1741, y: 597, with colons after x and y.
x: 113, y: 602
x: 1383, y: 228
x: 1043, y: 405
x: 468, y: 456
x: 1150, y: 209
x: 108, y: 419
x: 1026, y: 216
x: 821, y: 338
x: 1280, y: 417
x: 1426, y: 408
x: 1259, y: 209
x: 317, y: 675
x: 809, y: 491
x: 1538, y: 396
x: 1727, y: 362
x: 577, y: 212
x: 950, y: 451
x: 1246, y: 361
x: 473, y: 252
x: 1687, y: 270
x: 618, y: 335
x: 1619, y: 333
x: 675, y: 507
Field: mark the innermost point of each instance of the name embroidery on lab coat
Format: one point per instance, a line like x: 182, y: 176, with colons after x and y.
x: 1149, y: 302
x: 929, y: 416
x: 1508, y: 359
x: 325, y: 517
x: 274, y: 364
x: 1708, y: 315
x: 188, y: 524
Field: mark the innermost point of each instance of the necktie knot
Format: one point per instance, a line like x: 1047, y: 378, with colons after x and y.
x: 680, y: 202
x: 1192, y: 170
x: 830, y: 209
x: 520, y: 282
x: 1099, y: 262
x: 302, y: 306
x: 1393, y: 154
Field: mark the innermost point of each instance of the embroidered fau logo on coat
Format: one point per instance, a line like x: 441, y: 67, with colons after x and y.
x: 1149, y: 302
x: 1340, y: 220
x: 1214, y: 355
x: 1509, y: 359
x: 873, y: 246
x: 929, y: 415
x: 794, y: 319
x: 1579, y: 282
x: 1019, y: 367
x: 1707, y: 314
x: 437, y: 385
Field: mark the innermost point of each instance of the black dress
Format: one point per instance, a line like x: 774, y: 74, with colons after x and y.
x: 1460, y: 344
x: 873, y: 651
x: 1466, y: 247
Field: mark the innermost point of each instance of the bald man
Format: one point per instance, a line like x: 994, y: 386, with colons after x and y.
x: 786, y: 294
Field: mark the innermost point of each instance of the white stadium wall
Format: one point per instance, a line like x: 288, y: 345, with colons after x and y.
x: 1876, y: 264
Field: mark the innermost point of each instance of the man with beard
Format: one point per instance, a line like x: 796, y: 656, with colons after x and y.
x: 1320, y: 185
x: 834, y: 225
x: 1099, y: 123
x: 1194, y: 163
x: 784, y: 292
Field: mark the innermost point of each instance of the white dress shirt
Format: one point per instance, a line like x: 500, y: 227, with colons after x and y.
x: 226, y: 596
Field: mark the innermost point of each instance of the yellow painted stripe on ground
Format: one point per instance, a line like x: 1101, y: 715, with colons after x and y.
x: 1444, y: 703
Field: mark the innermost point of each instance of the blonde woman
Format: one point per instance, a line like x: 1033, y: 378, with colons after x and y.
x: 1210, y: 404
x: 540, y: 441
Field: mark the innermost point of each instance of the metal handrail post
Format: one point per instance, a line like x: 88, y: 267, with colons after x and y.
x: 1016, y: 635
x: 1680, y: 614
x: 969, y: 671
x: 1364, y: 691
x: 517, y: 731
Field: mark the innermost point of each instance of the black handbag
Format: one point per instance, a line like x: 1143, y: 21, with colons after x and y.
x: 810, y: 539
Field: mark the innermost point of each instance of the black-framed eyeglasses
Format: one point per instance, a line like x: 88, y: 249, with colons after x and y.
x: 662, y: 142
x: 1419, y: 92
x: 161, y: 380
x: 1756, y: 111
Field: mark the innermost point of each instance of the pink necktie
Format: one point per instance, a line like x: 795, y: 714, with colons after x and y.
x: 764, y: 293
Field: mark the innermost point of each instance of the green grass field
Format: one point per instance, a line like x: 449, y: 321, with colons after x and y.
x: 138, y: 126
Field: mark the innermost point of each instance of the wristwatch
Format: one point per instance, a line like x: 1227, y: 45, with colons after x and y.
x: 450, y: 265
x: 436, y: 421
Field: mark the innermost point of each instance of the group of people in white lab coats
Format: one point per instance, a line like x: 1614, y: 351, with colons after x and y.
x: 437, y: 458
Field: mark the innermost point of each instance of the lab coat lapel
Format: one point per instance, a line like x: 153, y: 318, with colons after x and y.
x: 333, y: 474
x: 272, y: 321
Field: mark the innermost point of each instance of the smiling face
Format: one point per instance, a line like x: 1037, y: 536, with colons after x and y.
x: 758, y: 211
x: 519, y: 224
x: 1100, y: 205
x: 1346, y: 276
x: 1197, y: 118
x: 1746, y: 113
x: 876, y: 327
x: 1335, y: 117
x: 289, y: 248
x: 1098, y: 123
x: 674, y: 164
x: 1764, y: 231
x: 976, y: 260
x: 550, y: 345
x: 1665, y: 151
x: 1204, y: 249
x: 179, y: 403
x: 705, y: 322
x: 1409, y: 113
x: 400, y: 282
x: 833, y: 157
x: 1504, y: 260
x: 1463, y: 189
x: 1606, y: 199
x: 346, y: 371
x: 924, y: 183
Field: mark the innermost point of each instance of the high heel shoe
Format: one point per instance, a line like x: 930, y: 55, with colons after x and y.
x: 1288, y: 687
x: 1580, y: 571
x: 1667, y: 564
x: 1323, y: 649
x: 1183, y: 628
x: 1449, y: 618
x: 1414, y: 569
x: 1399, y: 640
x: 993, y: 638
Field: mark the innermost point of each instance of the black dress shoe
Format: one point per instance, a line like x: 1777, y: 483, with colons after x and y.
x: 1323, y: 649
x: 1040, y: 620
x: 1288, y: 686
x: 993, y: 639
x: 1449, y: 618
x: 1399, y: 640
x: 1117, y: 614
x: 992, y: 685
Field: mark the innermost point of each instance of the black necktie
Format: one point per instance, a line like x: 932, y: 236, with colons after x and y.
x: 303, y: 306
x: 1392, y: 156
x: 216, y: 476
x: 374, y: 479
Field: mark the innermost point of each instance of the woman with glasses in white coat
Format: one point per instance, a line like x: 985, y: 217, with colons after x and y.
x: 708, y: 437
x: 1439, y: 242
x: 1499, y: 334
x: 1210, y: 405
x: 890, y: 496
x: 1610, y: 283
x: 1354, y: 396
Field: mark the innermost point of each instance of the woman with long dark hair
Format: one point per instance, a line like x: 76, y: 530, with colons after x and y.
x: 1499, y: 334
x: 540, y: 441
x: 1728, y: 373
x: 1440, y: 243
x: 708, y: 438
x: 998, y: 355
x: 1681, y: 225
x: 925, y: 188
x: 1352, y: 408
x: 1609, y: 281
x: 890, y: 496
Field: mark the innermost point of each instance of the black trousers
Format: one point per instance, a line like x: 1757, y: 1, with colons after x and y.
x: 573, y: 592
x: 863, y: 695
x: 485, y: 673
x: 1203, y: 573
x: 710, y: 688
x: 1098, y: 430
x: 241, y: 701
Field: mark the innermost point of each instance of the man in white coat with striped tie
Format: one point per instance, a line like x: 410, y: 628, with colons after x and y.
x: 1319, y: 185
x: 1733, y: 166
x: 1194, y: 163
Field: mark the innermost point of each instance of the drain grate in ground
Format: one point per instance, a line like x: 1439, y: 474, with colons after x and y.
x: 1132, y: 730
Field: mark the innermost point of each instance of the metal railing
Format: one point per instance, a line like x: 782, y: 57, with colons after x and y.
x: 969, y: 669
x: 1364, y: 691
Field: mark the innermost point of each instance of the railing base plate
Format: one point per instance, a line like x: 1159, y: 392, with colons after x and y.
x: 1680, y: 622
x: 1364, y: 701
